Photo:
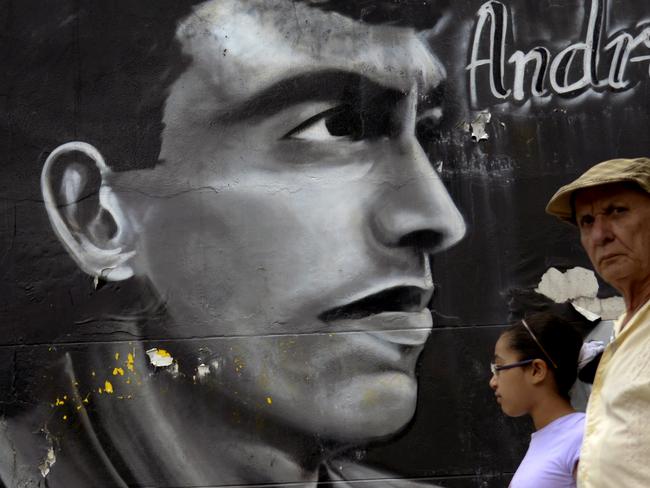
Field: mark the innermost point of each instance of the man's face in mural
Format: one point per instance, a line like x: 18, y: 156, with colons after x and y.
x: 294, y: 209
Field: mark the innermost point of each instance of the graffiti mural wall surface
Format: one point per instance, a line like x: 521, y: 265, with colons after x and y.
x: 272, y: 242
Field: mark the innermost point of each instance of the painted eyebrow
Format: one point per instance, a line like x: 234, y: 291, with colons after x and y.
x: 324, y: 86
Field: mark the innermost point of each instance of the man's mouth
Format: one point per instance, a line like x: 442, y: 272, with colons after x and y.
x: 607, y: 257
x: 405, y: 299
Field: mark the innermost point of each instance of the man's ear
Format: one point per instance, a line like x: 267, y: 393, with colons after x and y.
x: 85, y: 213
x: 539, y: 370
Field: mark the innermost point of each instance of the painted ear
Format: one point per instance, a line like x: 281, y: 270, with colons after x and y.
x: 85, y: 213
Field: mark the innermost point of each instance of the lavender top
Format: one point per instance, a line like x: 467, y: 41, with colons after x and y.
x: 552, y: 455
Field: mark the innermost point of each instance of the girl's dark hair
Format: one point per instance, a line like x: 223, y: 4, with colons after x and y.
x: 561, y: 343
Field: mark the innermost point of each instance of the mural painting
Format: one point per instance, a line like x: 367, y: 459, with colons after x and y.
x: 251, y: 242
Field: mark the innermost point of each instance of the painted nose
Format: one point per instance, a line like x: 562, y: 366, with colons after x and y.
x: 416, y: 210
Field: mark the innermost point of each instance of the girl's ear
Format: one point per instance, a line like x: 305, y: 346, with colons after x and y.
x: 85, y: 213
x: 539, y: 371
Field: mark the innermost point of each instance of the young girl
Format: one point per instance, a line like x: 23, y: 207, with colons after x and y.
x: 535, y: 365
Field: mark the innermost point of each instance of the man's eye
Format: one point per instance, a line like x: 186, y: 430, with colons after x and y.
x: 586, y: 220
x: 339, y: 123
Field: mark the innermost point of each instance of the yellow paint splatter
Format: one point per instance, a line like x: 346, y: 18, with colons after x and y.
x: 65, y: 397
x: 58, y: 402
x: 117, y: 356
x: 65, y: 417
x: 130, y: 362
x: 164, y: 353
x: 117, y: 371
x: 269, y: 400
x: 99, y: 390
x: 85, y: 400
x: 239, y: 364
x: 92, y: 373
x: 128, y: 381
x: 108, y: 387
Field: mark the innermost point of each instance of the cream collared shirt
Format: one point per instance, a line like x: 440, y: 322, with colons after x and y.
x: 616, y: 448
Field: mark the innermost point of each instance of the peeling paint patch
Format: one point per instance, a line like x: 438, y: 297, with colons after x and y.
x: 574, y: 283
x: 50, y: 458
x: 477, y: 126
x: 202, y: 370
x: 173, y: 369
x: 159, y: 357
x: 579, y: 286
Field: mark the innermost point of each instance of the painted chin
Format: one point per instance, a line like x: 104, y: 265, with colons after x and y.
x: 377, y: 405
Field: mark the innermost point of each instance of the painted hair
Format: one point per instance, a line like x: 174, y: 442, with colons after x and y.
x: 419, y: 14
x: 552, y: 339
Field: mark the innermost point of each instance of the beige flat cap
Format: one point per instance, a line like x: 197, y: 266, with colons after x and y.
x: 611, y: 171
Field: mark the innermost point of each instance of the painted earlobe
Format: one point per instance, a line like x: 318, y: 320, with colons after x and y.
x: 85, y: 213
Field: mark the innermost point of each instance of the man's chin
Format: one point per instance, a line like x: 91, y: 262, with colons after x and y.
x: 616, y: 273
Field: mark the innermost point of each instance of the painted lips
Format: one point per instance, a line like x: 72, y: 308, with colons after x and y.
x: 395, y: 315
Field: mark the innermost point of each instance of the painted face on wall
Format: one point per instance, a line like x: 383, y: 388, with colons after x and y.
x: 293, y: 212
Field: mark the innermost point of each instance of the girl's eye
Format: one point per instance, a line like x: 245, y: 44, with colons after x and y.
x: 331, y: 125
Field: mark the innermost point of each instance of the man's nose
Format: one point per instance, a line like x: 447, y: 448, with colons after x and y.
x: 601, y: 231
x: 416, y: 209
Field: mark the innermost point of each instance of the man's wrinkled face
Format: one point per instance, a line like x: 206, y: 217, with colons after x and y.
x: 614, y: 223
x: 293, y: 212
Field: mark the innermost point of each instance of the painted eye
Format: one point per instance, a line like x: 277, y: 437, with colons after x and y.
x: 339, y: 123
x: 316, y: 131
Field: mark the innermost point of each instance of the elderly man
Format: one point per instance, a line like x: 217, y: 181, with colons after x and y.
x: 610, y: 205
x: 285, y: 234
